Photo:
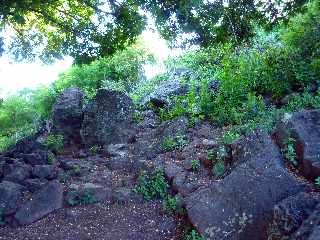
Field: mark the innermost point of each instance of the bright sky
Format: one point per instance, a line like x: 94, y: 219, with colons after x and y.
x: 16, y: 76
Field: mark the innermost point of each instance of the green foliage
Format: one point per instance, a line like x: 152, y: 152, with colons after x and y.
x: 84, y: 30
x: 18, y: 119
x: 290, y: 151
x: 230, y: 136
x: 317, y: 181
x: 152, y: 186
x: 76, y: 198
x: 219, y: 168
x: 145, y: 87
x: 121, y: 72
x: 170, y: 204
x: 137, y: 117
x: 272, y: 66
x: 95, y: 149
x: 51, y: 158
x: 174, y: 143
x: 210, y: 22
x: 76, y: 170
x: 304, y: 101
x: 195, y: 165
x: 193, y: 235
x: 54, y: 142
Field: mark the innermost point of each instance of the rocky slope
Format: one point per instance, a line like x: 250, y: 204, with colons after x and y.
x: 87, y: 192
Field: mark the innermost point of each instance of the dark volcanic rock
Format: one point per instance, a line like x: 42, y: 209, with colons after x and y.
x: 16, y: 172
x: 10, y: 197
x: 161, y: 95
x: 304, y: 127
x: 291, y: 212
x: 241, y: 205
x: 47, y: 200
x: 108, y: 119
x: 67, y: 114
x: 45, y: 171
x: 310, y: 228
x: 36, y: 158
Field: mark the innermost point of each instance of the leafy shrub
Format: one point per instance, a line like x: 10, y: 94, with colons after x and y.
x: 304, y: 101
x: 230, y: 136
x: 195, y: 164
x: 193, y: 235
x: 170, y: 204
x: 290, y: 151
x: 152, y: 186
x: 146, y: 87
x: 54, y: 142
x: 76, y: 198
x: 51, y: 158
x: 174, y: 143
x: 218, y: 169
x: 121, y: 71
x: 94, y: 149
x: 317, y: 181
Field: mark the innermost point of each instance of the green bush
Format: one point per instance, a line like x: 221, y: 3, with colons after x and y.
x: 54, y: 142
x: 174, y: 143
x: 121, y: 71
x: 152, y: 186
x: 18, y: 119
x: 193, y: 235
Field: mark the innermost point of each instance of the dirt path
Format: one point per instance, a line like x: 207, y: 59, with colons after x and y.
x: 101, y: 221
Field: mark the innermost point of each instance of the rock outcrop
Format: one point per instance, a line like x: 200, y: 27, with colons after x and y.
x: 108, y: 119
x: 304, y: 128
x: 67, y: 114
x: 241, y: 205
x: 48, y: 199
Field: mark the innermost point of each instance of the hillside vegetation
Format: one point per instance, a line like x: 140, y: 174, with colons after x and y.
x: 254, y: 79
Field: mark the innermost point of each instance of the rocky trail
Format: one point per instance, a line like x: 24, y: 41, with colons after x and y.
x: 241, y: 190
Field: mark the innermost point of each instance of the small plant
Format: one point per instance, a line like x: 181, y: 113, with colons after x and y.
x: 137, y: 117
x: 51, y: 158
x: 75, y: 198
x: 94, y: 149
x: 317, y: 181
x: 230, y: 136
x: 218, y: 169
x: 152, y: 186
x: 290, y: 152
x: 54, y: 142
x: 76, y: 170
x: 168, y: 144
x: 193, y: 235
x: 170, y: 204
x: 217, y: 155
x: 195, y: 165
x: 174, y: 143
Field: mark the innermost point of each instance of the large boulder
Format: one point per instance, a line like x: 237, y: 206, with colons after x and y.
x: 108, y: 119
x: 164, y: 94
x: 67, y: 114
x: 304, y: 127
x: 10, y: 197
x: 47, y: 200
x: 241, y: 205
x: 310, y: 228
x: 160, y: 97
x: 290, y: 213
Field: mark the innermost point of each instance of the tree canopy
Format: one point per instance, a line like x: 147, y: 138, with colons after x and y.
x: 85, y: 29
x: 88, y: 29
x: 213, y: 21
